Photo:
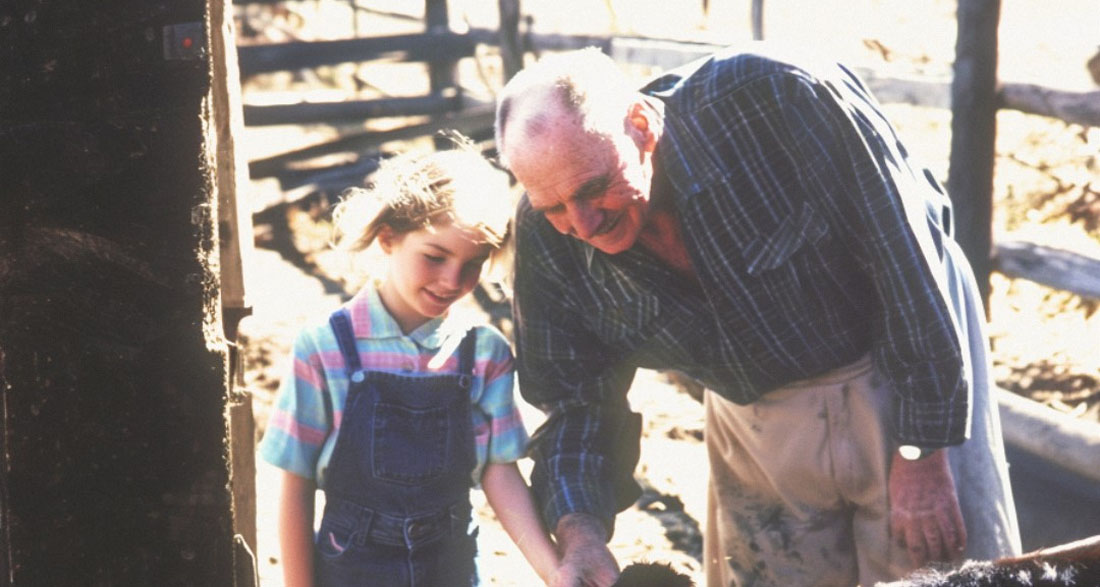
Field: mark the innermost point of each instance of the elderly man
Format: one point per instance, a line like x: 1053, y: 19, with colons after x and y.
x: 752, y: 220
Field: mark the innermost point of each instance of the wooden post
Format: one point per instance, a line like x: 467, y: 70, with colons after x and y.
x: 235, y: 248
x: 511, y: 51
x: 442, y: 73
x: 974, y: 107
x: 113, y: 367
x: 758, y: 20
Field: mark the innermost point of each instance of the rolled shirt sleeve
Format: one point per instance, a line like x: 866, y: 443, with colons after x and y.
x: 586, y: 451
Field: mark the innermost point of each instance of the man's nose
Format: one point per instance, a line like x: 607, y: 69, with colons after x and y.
x: 584, y: 220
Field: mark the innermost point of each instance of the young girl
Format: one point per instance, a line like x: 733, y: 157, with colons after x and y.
x: 394, y: 409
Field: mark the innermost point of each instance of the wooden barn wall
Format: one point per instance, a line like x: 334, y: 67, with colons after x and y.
x: 112, y: 369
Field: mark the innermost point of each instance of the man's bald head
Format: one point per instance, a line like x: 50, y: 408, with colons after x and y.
x: 582, y: 87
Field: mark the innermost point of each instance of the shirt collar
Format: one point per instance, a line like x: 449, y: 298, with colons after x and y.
x: 371, y: 320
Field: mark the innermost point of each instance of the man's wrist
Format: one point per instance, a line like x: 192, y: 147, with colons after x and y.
x: 913, y: 452
x: 580, y: 527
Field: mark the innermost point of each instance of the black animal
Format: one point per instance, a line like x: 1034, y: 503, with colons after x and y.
x: 652, y: 575
x: 1076, y: 564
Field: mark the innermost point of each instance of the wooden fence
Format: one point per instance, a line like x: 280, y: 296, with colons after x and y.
x: 974, y: 95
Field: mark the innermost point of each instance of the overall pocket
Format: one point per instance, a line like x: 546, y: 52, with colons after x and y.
x: 410, y: 444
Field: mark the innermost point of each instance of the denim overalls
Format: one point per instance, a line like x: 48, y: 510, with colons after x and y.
x: 397, y: 501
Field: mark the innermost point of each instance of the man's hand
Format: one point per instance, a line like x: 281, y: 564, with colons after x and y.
x: 924, y: 509
x: 585, y: 558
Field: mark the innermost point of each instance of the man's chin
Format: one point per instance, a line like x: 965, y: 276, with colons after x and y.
x: 612, y: 246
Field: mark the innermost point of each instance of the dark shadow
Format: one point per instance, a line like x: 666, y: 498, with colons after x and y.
x: 681, y: 529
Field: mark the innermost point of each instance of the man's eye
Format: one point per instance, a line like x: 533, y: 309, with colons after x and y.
x: 434, y: 258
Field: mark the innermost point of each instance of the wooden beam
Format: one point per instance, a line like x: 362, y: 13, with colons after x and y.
x: 1049, y: 266
x: 545, y: 41
x: 429, y: 46
x: 469, y: 121
x: 974, y: 132
x: 348, y: 111
x: 1075, y: 107
x: 757, y: 17
x: 1071, y: 443
x: 114, y: 370
x: 511, y: 49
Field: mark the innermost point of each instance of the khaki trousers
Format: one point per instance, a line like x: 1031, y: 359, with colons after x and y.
x: 797, y: 495
x: 798, y: 491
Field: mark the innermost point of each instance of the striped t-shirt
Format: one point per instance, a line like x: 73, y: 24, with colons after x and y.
x: 301, y: 432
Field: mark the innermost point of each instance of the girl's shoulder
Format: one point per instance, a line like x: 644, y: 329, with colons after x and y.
x: 315, y: 334
x: 490, y: 341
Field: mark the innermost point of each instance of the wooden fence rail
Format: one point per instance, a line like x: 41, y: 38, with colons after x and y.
x: 349, y: 110
x: 429, y: 46
x: 1058, y: 269
x: 1052, y: 267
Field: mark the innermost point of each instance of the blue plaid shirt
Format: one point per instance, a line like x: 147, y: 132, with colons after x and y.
x: 815, y: 241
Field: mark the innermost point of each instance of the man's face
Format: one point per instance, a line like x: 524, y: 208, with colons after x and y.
x: 590, y: 187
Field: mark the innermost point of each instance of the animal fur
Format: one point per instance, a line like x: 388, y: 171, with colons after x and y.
x: 1076, y: 564
x: 652, y: 575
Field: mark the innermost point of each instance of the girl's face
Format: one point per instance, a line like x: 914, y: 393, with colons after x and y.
x: 430, y: 269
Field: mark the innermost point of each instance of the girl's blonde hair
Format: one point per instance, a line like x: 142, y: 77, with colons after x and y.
x: 410, y: 192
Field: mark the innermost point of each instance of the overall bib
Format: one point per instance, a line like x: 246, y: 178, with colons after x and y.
x: 397, y: 501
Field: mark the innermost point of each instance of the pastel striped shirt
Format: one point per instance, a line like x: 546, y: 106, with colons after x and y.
x: 301, y: 432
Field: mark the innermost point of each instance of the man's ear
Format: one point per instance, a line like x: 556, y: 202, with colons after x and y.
x: 640, y: 125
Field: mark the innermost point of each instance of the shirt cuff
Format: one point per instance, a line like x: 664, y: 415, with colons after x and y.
x: 567, y: 484
x: 932, y: 424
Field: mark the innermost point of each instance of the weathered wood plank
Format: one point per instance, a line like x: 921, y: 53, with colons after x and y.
x: 974, y: 132
x: 1049, y: 266
x: 1072, y: 443
x: 430, y: 46
x: 348, y: 111
x: 511, y: 47
x: 756, y: 16
x: 1074, y: 107
x: 468, y: 121
x: 112, y: 361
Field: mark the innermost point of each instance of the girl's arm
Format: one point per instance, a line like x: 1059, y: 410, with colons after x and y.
x: 296, y: 529
x: 507, y: 493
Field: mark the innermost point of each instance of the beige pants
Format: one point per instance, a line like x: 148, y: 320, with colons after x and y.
x: 798, y: 479
x: 798, y: 485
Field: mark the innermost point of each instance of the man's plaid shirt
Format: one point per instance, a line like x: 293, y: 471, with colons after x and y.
x: 815, y: 241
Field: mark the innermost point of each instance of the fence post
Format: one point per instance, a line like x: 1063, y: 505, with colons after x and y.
x: 511, y: 51
x: 113, y: 370
x: 757, y: 16
x: 974, y: 107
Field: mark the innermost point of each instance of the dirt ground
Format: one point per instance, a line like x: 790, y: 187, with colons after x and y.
x: 1046, y: 189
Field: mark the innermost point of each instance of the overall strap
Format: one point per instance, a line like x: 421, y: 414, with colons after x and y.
x: 345, y: 337
x: 466, y: 353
